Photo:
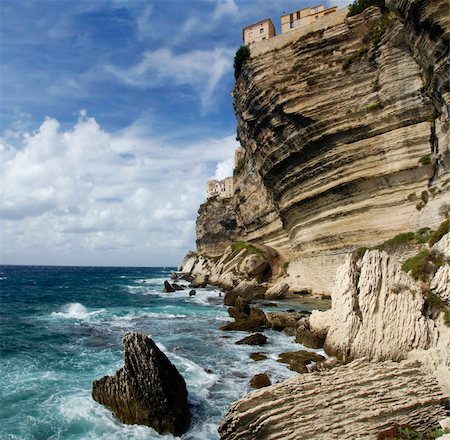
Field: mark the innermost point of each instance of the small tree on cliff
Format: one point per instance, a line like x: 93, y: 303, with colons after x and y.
x: 239, y: 59
x: 359, y: 5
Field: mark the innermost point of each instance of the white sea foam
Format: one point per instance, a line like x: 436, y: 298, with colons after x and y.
x: 76, y: 311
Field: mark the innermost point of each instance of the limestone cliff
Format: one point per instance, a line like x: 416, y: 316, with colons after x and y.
x: 346, y: 133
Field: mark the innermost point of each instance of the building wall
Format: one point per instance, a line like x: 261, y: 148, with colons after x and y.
x: 328, y: 21
x: 220, y: 188
x: 257, y: 32
x: 304, y: 17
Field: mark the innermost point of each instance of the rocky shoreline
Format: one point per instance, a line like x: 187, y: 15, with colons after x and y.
x: 386, y: 326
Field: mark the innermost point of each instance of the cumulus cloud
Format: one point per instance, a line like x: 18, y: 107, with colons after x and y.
x: 200, y: 69
x: 224, y: 169
x: 70, y: 195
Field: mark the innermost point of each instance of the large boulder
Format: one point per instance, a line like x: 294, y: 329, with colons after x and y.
x: 277, y: 291
x: 284, y: 320
x: 245, y: 317
x: 254, y: 265
x: 247, y: 290
x: 260, y: 380
x: 147, y: 390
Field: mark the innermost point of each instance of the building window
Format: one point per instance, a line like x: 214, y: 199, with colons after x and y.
x: 291, y: 24
x: 314, y: 10
x: 261, y: 31
x: 263, y: 38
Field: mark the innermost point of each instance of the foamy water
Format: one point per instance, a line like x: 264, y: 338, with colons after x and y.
x: 58, y: 340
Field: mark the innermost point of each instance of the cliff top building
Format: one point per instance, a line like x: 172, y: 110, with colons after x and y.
x: 262, y: 30
x: 220, y: 188
x: 304, y: 17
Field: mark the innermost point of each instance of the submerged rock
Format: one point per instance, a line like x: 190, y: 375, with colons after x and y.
x: 147, y: 390
x: 177, y: 287
x: 192, y: 292
x: 254, y: 339
x: 258, y: 356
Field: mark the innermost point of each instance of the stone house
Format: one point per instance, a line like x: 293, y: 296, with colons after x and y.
x: 262, y: 30
x: 220, y: 188
x: 304, y: 17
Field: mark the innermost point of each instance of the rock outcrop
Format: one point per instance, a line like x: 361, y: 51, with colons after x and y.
x: 147, y: 390
x: 330, y: 166
x: 357, y: 400
x: 378, y: 312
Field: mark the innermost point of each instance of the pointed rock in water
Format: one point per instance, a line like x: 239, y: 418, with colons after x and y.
x: 192, y: 292
x: 177, y: 286
x: 168, y: 287
x: 254, y: 339
x: 147, y: 390
x: 260, y: 381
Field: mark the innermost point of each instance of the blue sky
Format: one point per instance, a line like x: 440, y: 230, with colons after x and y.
x: 113, y: 116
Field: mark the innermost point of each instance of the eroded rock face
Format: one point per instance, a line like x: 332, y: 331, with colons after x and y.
x: 147, y: 390
x: 317, y: 405
x: 377, y: 311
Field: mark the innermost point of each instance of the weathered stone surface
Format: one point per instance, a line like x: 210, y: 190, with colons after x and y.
x: 260, y: 380
x: 377, y: 312
x: 277, y: 291
x: 282, y: 320
x: 305, y: 336
x: 168, y: 287
x: 254, y: 339
x: 254, y: 265
x: 299, y: 360
x: 147, y: 390
x: 177, y: 286
x: 357, y: 400
x: 199, y: 281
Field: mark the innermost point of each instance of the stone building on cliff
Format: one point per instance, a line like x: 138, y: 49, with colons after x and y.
x: 262, y: 30
x: 220, y: 188
x: 304, y: 17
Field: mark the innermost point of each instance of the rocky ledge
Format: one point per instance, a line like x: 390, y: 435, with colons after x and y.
x: 358, y: 400
x: 147, y: 390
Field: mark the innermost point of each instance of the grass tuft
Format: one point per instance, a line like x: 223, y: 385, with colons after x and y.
x: 443, y: 228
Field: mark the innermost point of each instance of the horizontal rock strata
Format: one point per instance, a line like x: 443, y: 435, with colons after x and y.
x: 357, y: 400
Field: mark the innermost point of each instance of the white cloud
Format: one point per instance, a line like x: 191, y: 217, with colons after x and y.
x: 224, y: 169
x: 225, y: 9
x: 76, y: 195
x: 200, y: 69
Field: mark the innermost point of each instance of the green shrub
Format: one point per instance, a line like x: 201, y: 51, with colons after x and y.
x: 238, y: 246
x: 376, y: 85
x: 393, y: 243
x: 355, y: 56
x: 423, y: 265
x: 425, y: 159
x: 286, y: 266
x: 422, y: 235
x: 239, y: 59
x: 447, y: 317
x: 443, y: 228
x: 359, y: 5
x: 424, y: 197
x: 374, y: 106
x: 361, y: 251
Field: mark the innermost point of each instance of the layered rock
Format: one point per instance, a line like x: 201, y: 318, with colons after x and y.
x: 357, y: 400
x: 147, y: 390
x: 330, y: 166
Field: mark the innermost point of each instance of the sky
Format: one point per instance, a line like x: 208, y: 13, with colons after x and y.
x: 113, y: 115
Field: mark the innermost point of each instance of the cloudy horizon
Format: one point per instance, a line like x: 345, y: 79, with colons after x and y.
x: 114, y: 114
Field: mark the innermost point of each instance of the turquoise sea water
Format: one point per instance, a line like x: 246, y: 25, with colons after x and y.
x: 61, y: 328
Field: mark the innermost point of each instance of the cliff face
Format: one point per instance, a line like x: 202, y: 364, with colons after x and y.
x: 249, y: 215
x: 346, y: 132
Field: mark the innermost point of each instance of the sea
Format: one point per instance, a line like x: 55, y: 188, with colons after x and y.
x: 62, y: 328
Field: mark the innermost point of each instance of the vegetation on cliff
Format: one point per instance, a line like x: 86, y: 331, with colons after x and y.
x: 359, y: 5
x: 239, y: 59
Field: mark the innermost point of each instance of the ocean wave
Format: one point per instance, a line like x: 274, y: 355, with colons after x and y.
x: 76, y: 311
